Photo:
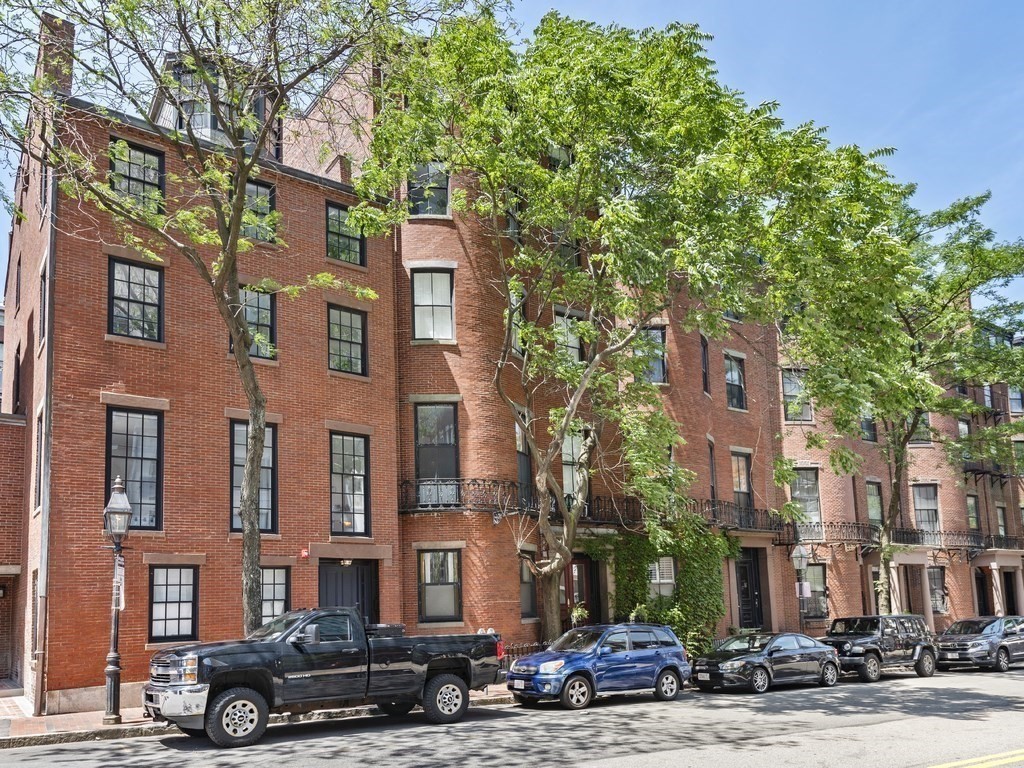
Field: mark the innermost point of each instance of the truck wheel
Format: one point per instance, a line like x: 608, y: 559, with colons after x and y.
x: 667, y: 686
x: 871, y: 670
x: 445, y: 699
x: 576, y: 693
x: 396, y: 708
x: 925, y: 666
x: 237, y: 718
x: 195, y: 733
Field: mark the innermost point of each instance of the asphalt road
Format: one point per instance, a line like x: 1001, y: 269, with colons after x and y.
x: 953, y: 720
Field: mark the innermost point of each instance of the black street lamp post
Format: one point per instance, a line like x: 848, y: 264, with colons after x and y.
x: 117, y: 519
x: 799, y: 559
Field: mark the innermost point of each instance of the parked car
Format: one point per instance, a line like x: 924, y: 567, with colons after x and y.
x: 602, y: 660
x: 316, y: 659
x: 992, y: 642
x: 758, y: 661
x: 868, y: 645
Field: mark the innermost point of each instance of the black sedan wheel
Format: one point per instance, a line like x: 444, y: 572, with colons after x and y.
x: 829, y: 675
x: 759, y: 680
x: 667, y: 687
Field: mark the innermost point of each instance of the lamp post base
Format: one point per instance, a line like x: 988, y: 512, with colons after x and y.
x: 111, y: 719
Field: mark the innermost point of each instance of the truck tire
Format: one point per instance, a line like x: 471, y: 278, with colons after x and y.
x: 237, y: 717
x: 925, y: 666
x: 445, y: 699
x: 195, y: 733
x: 871, y: 670
x: 396, y: 708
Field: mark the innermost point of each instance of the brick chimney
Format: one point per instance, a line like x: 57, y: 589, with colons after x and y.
x: 56, y: 44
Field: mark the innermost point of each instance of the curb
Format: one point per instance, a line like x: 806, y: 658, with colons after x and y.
x: 155, y: 729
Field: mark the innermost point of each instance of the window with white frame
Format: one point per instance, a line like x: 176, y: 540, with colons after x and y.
x: 275, y: 585
x: 566, y: 337
x: 173, y: 603
x: 1001, y: 519
x: 661, y: 574
x: 440, y: 585
x: 1016, y: 400
x: 572, y: 447
x: 527, y: 588
x: 874, y: 491
x: 804, y: 493
x: 657, y: 367
x: 433, y: 305
x: 817, y: 604
x: 926, y: 507
x: 973, y: 516
x: 937, y: 589
x: 735, y: 383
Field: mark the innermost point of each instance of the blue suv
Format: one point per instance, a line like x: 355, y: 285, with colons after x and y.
x: 602, y: 660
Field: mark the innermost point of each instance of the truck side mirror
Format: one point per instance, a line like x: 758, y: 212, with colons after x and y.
x: 310, y: 635
x: 889, y: 632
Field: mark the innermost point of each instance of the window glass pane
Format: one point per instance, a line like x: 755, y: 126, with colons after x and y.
x: 926, y: 507
x: 937, y: 588
x: 344, y: 242
x: 735, y: 386
x: 135, y: 301
x: 432, y: 305
x: 346, y: 340
x: 804, y: 492
x: 349, y: 485
x: 134, y: 454
x: 274, y: 592
x: 796, y: 408
x: 817, y: 603
x: 259, y: 203
x: 439, y: 586
x: 266, y: 499
x: 973, y: 520
x: 258, y: 309
x: 566, y: 337
x: 657, y: 371
x: 742, y: 495
x: 172, y: 604
x: 428, y: 190
x: 335, y: 629
x: 135, y: 173
x: 874, y: 503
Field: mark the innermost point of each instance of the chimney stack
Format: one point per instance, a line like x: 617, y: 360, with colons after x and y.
x: 56, y: 45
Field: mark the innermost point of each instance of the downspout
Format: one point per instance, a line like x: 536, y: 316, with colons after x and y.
x: 38, y: 707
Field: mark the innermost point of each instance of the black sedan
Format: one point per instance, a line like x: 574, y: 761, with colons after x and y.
x: 757, y: 661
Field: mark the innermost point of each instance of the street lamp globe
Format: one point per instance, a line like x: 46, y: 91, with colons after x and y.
x: 799, y: 557
x: 117, y: 515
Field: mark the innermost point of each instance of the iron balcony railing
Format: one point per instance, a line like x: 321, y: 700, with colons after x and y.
x: 729, y: 515
x: 918, y: 537
x: 1004, y: 542
x: 840, y: 532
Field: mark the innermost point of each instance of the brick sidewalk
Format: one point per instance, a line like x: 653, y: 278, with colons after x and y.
x: 19, y: 729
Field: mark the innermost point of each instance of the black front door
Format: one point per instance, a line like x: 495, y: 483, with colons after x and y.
x: 350, y: 584
x: 1010, y: 593
x: 981, y: 588
x: 748, y: 587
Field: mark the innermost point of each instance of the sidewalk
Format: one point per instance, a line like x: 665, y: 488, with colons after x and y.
x: 19, y: 729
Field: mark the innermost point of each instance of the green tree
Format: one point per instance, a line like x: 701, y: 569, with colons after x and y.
x: 223, y: 83
x: 946, y: 326
x: 619, y: 182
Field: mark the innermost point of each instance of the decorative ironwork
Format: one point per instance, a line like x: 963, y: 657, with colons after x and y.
x: 728, y: 515
x: 1004, y: 542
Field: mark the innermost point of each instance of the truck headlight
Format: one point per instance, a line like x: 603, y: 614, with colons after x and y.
x: 187, y: 670
x: 550, y: 667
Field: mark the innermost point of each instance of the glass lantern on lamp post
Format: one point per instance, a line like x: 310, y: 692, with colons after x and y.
x: 117, y: 520
x: 799, y: 558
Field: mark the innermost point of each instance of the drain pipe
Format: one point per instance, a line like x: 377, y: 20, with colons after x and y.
x: 39, y: 693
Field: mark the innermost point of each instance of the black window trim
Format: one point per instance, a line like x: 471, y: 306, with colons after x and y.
x: 159, y: 153
x: 705, y: 365
x: 274, y: 521
x: 367, y: 505
x: 108, y: 480
x: 416, y: 440
x: 110, y: 298
x: 272, y: 197
x: 272, y: 341
x: 195, y: 604
x: 327, y: 236
x: 740, y: 362
x: 421, y: 584
x: 365, y: 345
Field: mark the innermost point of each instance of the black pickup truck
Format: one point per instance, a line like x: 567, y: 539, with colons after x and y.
x: 316, y: 659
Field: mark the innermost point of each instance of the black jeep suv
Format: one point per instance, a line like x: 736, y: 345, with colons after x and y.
x: 870, y: 644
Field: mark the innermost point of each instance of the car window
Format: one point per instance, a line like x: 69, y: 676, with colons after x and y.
x: 642, y: 639
x: 859, y: 625
x: 888, y: 624
x: 806, y: 642
x: 334, y: 628
x: 617, y: 642
x: 1010, y: 624
x: 907, y: 627
x: 785, y: 643
x: 665, y: 640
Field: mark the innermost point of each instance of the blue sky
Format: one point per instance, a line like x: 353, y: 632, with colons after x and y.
x: 941, y: 81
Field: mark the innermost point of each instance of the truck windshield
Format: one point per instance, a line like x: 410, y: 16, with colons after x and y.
x: 857, y: 626
x: 278, y: 626
x: 576, y: 640
x: 972, y: 627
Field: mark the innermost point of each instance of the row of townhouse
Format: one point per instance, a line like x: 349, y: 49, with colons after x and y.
x: 391, y: 463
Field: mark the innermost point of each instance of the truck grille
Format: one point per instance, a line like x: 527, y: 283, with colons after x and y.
x: 160, y: 674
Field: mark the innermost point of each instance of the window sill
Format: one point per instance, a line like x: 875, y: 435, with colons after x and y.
x: 135, y: 342
x: 442, y: 624
x: 348, y: 376
x: 435, y: 342
x: 233, y: 535
x: 920, y: 445
x: 148, y: 534
x: 341, y: 538
x: 168, y: 644
x: 430, y: 217
x: 737, y: 410
x: 531, y: 620
x: 346, y: 264
x: 811, y: 423
x: 265, y: 244
x: 274, y: 363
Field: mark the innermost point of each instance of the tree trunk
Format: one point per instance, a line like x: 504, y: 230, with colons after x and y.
x: 898, y: 459
x: 883, y: 587
x: 548, y: 588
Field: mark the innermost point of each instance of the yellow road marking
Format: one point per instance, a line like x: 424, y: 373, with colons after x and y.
x: 987, y: 761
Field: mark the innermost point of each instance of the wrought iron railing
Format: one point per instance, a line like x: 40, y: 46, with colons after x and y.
x: 1004, y: 542
x: 515, y: 651
x: 845, y: 532
x: 728, y: 515
x: 918, y: 537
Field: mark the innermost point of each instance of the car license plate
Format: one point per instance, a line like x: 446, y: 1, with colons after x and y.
x: 703, y: 676
x: 519, y: 684
x: 948, y: 655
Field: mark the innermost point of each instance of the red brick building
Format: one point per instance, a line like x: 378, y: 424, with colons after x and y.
x: 391, y: 462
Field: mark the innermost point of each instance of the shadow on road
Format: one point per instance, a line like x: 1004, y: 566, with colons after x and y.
x: 611, y: 728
